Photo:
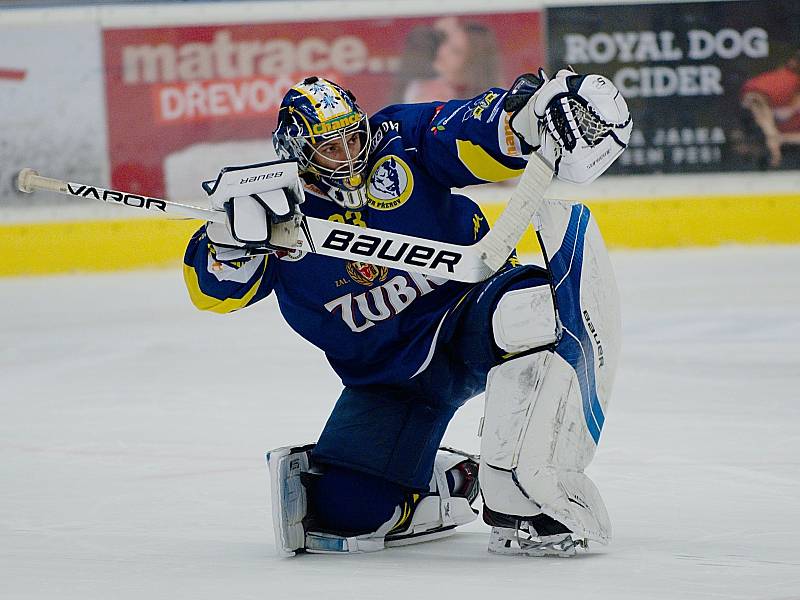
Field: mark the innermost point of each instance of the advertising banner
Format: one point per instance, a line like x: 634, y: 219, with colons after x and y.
x: 185, y: 101
x: 712, y: 86
x: 53, y: 114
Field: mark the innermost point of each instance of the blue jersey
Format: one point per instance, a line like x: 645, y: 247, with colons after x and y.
x: 377, y: 324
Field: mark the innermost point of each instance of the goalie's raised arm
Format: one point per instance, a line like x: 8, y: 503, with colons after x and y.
x: 580, y: 124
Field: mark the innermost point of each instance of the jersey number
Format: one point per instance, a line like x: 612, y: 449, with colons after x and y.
x: 353, y: 217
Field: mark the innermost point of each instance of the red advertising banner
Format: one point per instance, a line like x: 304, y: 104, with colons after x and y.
x: 173, y: 88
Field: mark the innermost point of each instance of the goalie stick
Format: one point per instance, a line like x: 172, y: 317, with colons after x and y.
x: 471, y: 264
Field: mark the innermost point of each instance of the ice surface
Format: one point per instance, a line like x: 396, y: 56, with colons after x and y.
x: 132, y: 433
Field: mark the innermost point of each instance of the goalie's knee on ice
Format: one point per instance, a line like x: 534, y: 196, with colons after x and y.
x: 352, y: 503
x: 319, y: 508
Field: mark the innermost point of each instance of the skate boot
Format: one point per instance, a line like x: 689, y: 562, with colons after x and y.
x: 538, y: 535
x: 448, y: 503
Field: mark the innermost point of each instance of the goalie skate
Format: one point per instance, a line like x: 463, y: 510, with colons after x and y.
x: 516, y: 536
x: 437, y: 514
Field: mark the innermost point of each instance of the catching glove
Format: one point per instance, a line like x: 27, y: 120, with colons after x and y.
x: 578, y: 123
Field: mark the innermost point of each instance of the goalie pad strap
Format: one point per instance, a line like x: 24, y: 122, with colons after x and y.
x: 368, y: 542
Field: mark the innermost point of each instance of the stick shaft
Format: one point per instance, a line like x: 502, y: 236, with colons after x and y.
x: 525, y: 200
x: 29, y: 181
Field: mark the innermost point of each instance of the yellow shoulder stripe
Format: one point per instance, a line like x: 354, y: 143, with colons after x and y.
x: 205, y: 302
x: 481, y: 164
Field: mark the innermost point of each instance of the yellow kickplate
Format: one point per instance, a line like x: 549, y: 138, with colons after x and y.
x: 43, y: 248
x: 690, y: 221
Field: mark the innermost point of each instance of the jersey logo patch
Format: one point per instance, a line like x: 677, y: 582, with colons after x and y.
x: 478, y: 106
x: 390, y: 183
x: 365, y: 273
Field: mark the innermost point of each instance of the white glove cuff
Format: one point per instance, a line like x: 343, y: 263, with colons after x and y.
x: 526, y: 125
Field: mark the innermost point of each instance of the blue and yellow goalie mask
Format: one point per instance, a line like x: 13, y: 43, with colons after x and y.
x: 321, y: 126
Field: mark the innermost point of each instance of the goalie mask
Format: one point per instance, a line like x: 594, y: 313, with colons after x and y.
x: 321, y: 126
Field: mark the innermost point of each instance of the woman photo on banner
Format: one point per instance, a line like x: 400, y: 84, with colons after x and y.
x: 450, y: 59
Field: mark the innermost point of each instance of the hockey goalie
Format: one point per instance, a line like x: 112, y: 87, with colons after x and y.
x: 410, y: 349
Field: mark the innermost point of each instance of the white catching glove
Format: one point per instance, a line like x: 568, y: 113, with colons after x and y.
x: 253, y: 197
x: 580, y: 124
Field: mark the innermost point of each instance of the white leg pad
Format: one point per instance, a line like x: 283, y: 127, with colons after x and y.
x: 289, y: 504
x: 535, y: 445
x: 545, y: 412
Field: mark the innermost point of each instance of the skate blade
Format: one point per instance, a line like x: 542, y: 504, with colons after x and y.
x: 509, y: 543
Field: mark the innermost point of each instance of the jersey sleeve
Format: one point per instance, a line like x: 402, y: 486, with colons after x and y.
x: 467, y: 142
x: 224, y: 286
